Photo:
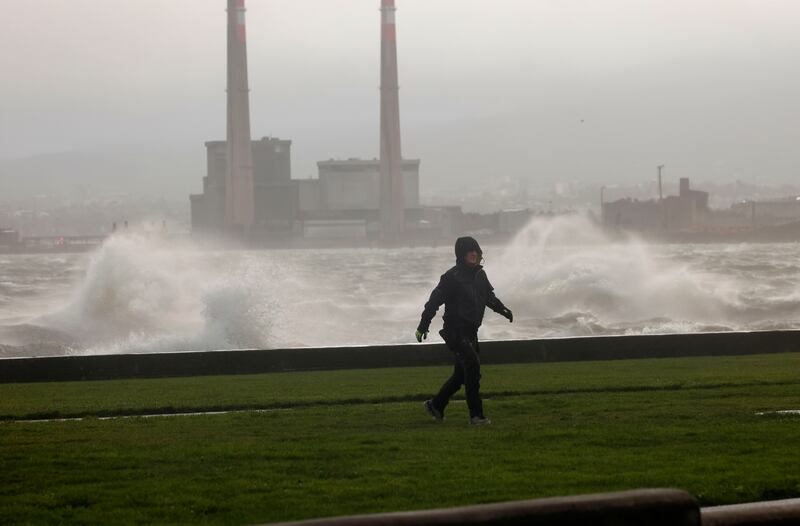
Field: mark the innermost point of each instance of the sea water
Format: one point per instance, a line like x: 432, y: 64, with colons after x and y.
x: 141, y: 293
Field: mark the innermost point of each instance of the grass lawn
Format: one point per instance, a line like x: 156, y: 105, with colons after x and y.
x: 347, y: 442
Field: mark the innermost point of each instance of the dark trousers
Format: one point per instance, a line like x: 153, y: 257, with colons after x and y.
x: 467, y: 371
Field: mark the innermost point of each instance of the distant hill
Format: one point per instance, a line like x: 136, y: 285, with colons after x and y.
x: 145, y: 173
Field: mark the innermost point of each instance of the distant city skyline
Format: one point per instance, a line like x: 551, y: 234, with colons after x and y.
x: 546, y: 91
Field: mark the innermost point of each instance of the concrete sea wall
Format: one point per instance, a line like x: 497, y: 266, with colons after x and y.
x: 106, y: 367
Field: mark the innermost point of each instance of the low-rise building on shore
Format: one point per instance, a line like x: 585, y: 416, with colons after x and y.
x: 688, y: 217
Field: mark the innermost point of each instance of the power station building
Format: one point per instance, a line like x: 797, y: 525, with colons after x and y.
x: 274, y: 193
x: 248, y: 192
x: 344, y: 201
x: 355, y: 184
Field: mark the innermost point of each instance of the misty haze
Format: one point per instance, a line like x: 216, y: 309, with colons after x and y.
x: 567, y: 138
x: 430, y: 261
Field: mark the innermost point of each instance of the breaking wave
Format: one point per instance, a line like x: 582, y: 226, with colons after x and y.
x: 568, y: 277
x: 562, y: 276
x: 141, y: 294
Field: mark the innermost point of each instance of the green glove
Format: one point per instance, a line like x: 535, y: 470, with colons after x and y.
x: 421, y: 335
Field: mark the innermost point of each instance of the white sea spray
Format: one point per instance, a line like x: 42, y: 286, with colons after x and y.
x: 561, y: 276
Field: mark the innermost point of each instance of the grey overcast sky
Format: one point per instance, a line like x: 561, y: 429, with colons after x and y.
x: 550, y: 90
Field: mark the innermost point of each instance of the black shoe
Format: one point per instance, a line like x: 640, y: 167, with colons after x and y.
x: 479, y: 421
x: 431, y: 409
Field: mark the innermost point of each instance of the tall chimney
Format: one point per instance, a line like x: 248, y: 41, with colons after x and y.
x: 392, y: 201
x: 239, y: 200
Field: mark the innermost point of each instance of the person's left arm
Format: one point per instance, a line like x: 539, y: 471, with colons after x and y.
x: 494, y: 303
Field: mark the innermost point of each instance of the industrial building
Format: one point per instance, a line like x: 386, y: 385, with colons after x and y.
x: 770, y: 212
x: 275, y: 196
x: 248, y: 192
x: 675, y: 212
x: 355, y: 184
x: 344, y: 201
x: 687, y: 218
x: 350, y: 190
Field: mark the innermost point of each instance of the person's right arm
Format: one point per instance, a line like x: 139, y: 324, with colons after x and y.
x: 437, y: 298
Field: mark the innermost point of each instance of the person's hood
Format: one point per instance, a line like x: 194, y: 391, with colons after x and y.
x: 465, y: 245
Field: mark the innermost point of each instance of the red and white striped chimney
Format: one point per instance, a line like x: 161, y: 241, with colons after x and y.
x: 392, y: 201
x: 241, y: 27
x: 239, y: 192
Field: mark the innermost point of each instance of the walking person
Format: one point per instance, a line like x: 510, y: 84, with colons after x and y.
x: 465, y: 292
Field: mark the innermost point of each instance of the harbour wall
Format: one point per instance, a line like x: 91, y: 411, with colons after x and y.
x: 255, y: 361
